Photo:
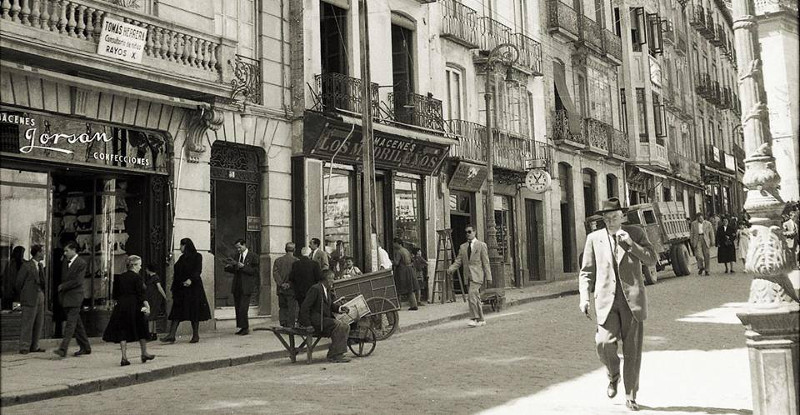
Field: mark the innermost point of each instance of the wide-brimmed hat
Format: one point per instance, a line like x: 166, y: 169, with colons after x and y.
x: 611, y: 205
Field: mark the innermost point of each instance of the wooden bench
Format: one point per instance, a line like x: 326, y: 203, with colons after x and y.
x: 308, y: 335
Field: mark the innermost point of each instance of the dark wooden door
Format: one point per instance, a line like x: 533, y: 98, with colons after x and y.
x: 534, y: 219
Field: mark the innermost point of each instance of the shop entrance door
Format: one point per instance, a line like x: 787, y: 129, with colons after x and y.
x: 235, y: 213
x: 534, y: 218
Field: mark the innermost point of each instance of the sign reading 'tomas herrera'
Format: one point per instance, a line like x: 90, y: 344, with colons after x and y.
x: 122, y: 40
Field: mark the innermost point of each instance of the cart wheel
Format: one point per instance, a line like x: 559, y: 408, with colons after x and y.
x: 493, y: 303
x: 362, y: 342
x: 383, y: 317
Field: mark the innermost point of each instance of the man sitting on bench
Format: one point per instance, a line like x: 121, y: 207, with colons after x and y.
x: 317, y: 311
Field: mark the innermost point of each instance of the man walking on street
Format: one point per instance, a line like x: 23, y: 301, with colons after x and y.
x: 319, y: 255
x: 287, y: 313
x: 612, y: 264
x: 30, y: 285
x: 700, y: 237
x: 70, y: 295
x: 305, y: 273
x: 474, y: 256
x: 245, y: 283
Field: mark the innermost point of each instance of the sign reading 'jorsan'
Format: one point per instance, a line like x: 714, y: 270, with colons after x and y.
x: 122, y: 40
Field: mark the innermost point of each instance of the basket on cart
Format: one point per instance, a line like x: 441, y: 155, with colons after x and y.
x: 380, y: 295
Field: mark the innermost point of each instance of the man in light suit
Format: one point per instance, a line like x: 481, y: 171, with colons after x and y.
x: 701, y: 238
x: 30, y: 285
x: 245, y: 283
x: 474, y: 256
x: 70, y: 295
x: 319, y: 255
x: 612, y: 265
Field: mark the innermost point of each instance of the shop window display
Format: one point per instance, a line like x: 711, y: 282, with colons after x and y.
x: 408, y: 212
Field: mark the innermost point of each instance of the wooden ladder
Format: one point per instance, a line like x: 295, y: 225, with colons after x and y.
x: 442, y: 283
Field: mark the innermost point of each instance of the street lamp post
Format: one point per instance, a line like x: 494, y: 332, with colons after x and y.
x: 505, y: 54
x: 771, y: 320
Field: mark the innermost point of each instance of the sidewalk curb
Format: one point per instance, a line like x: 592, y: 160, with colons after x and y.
x: 97, y: 385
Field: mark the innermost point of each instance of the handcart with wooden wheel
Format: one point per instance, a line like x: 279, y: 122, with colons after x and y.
x: 380, y: 294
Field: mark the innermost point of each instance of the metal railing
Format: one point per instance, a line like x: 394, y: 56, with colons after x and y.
x: 715, y: 96
x: 415, y: 109
x: 612, y: 45
x: 561, y: 130
x: 620, y: 144
x: 561, y: 17
x: 719, y: 36
x: 697, y: 18
x: 493, y: 33
x: 510, y: 151
x: 597, y: 133
x: 246, y: 79
x: 341, y: 92
x: 530, y: 53
x: 471, y: 140
x: 591, y: 33
x: 709, y: 31
x: 460, y: 23
x: 776, y: 6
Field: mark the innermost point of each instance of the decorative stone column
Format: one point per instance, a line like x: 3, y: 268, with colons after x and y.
x: 771, y: 321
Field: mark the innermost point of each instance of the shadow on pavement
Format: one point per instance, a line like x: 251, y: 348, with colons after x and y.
x: 695, y: 409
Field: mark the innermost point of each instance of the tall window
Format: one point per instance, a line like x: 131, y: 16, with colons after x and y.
x: 638, y: 28
x: 402, y: 59
x: 408, y: 211
x: 589, y: 192
x: 338, y: 186
x: 641, y: 108
x: 333, y: 36
x: 658, y: 119
x: 600, y: 100
x: 612, y: 186
x: 623, y: 110
x: 235, y: 20
x: 655, y: 42
x: 454, y: 100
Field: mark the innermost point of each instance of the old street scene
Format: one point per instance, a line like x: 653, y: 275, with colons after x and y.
x: 399, y: 206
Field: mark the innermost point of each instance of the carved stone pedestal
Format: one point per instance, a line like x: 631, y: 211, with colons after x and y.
x: 772, y: 333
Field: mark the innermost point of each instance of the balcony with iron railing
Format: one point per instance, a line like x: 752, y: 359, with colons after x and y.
x: 337, y: 92
x: 736, y: 105
x: 620, y: 145
x: 726, y: 100
x: 192, y: 62
x: 562, y: 20
x: 709, y: 31
x: 771, y: 7
x: 493, y: 33
x: 562, y: 133
x: 697, y: 18
x: 460, y: 24
x: 510, y: 151
x: 418, y: 110
x: 591, y: 33
x: 597, y: 135
x: 715, y: 96
x: 530, y: 53
x: 471, y: 140
x: 668, y: 32
x: 703, y: 85
x: 613, y: 46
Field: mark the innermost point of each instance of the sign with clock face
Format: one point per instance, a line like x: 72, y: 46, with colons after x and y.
x: 538, y: 181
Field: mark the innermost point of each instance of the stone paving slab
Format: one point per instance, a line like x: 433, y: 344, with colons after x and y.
x: 35, y: 377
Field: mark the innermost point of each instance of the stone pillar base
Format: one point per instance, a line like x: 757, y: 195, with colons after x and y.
x: 772, y: 333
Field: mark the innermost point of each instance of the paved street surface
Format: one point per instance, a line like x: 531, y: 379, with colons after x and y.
x: 536, y: 358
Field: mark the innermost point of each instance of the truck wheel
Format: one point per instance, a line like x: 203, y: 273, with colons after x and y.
x: 679, y: 258
x: 650, y: 277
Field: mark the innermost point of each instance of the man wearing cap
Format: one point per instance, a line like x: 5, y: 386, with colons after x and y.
x: 612, y: 267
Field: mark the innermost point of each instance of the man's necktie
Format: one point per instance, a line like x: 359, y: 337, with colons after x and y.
x: 469, y: 250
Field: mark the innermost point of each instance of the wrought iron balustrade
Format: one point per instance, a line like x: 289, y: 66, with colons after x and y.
x: 620, y: 144
x: 471, y: 140
x: 418, y: 110
x: 562, y: 18
x: 530, y: 53
x: 718, y: 39
x: 709, y: 31
x: 597, y: 133
x: 247, y: 79
x: 716, y: 94
x: 698, y: 18
x: 612, y: 44
x: 668, y: 32
x: 460, y: 23
x: 776, y: 6
x: 510, y: 151
x: 338, y: 92
x: 561, y: 130
x: 591, y: 33
x: 494, y: 33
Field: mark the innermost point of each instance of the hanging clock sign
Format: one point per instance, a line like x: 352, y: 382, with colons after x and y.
x: 538, y: 181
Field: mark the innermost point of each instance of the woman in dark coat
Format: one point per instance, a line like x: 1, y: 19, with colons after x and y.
x: 128, y: 322
x: 189, y: 301
x: 155, y: 295
x: 10, y: 277
x: 726, y: 244
x: 404, y: 277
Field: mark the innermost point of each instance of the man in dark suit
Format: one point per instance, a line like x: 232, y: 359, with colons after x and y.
x: 281, y: 270
x: 70, y: 295
x: 317, y: 311
x: 245, y: 283
x: 305, y: 273
x: 612, y: 264
x: 30, y: 285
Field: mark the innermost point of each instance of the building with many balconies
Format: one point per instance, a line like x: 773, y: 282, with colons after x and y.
x: 127, y: 126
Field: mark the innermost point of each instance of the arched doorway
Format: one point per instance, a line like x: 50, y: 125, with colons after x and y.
x: 235, y: 210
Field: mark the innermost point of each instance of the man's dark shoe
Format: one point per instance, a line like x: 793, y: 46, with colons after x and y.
x: 243, y: 332
x: 60, y: 353
x: 339, y: 359
x: 632, y: 405
x: 612, y: 389
x: 167, y: 340
x: 39, y: 350
x: 82, y: 352
x: 23, y: 351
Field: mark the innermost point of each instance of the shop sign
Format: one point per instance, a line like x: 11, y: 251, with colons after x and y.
x: 717, y: 154
x: 730, y: 162
x: 538, y: 181
x: 70, y: 140
x: 468, y: 177
x: 391, y: 151
x: 122, y: 40
x: 253, y: 223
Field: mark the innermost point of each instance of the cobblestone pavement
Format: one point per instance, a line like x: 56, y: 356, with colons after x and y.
x: 533, y: 359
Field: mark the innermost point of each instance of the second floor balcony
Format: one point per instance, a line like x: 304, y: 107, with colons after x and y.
x: 709, y: 31
x: 460, y: 24
x: 592, y: 34
x: 510, y: 151
x: 338, y: 92
x: 613, y: 46
x: 562, y: 20
x: 595, y: 136
x: 719, y: 40
x: 562, y: 134
x: 530, y: 53
x: 418, y: 110
x: 494, y: 33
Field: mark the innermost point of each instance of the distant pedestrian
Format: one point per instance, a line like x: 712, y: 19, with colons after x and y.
x: 281, y: 271
x: 319, y: 255
x: 30, y: 285
x: 128, y: 322
x: 473, y: 255
x: 189, y: 301
x: 245, y: 283
x: 612, y: 268
x: 420, y: 265
x: 743, y: 236
x: 70, y: 295
x: 305, y: 273
x: 8, y: 289
x: 701, y: 238
x: 156, y: 297
x: 405, y: 280
x: 726, y: 246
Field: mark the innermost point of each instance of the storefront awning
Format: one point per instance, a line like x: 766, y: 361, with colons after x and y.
x: 339, y: 139
x: 468, y: 177
x: 637, y: 169
x: 718, y: 172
